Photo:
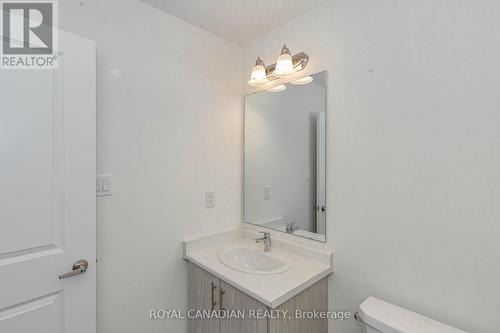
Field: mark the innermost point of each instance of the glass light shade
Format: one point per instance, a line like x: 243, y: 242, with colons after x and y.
x: 259, y: 75
x: 303, y: 80
x: 279, y: 88
x: 284, y: 65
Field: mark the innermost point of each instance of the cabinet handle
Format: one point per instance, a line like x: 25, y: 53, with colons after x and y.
x: 214, y: 303
x: 221, y: 295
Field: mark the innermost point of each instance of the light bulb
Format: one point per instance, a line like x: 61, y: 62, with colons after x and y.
x: 279, y: 88
x: 259, y: 75
x: 303, y: 80
x: 284, y: 65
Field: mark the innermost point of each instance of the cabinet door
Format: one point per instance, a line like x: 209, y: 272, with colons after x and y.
x: 233, y: 299
x: 203, y: 291
x: 313, y: 298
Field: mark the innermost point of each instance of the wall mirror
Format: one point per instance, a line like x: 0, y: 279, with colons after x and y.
x: 285, y: 158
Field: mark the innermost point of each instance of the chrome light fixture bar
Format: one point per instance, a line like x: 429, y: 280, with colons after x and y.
x: 299, y: 62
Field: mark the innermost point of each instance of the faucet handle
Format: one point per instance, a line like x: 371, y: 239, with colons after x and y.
x: 266, y: 234
x: 266, y: 239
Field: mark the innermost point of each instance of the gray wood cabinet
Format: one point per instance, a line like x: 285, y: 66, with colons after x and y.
x: 207, y: 292
x: 202, y: 296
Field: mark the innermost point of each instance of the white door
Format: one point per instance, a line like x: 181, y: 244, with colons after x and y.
x: 321, y: 173
x: 47, y: 194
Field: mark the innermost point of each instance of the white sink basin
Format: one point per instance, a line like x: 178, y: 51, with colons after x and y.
x: 254, y: 261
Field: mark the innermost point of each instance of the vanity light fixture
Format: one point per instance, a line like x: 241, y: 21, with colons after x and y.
x: 284, y: 66
x: 303, y: 80
x: 279, y: 88
x: 259, y: 75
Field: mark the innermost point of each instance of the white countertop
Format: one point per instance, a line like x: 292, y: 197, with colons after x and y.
x: 310, y: 263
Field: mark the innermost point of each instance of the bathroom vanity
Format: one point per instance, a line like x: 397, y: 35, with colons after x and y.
x: 251, y: 294
x: 258, y: 281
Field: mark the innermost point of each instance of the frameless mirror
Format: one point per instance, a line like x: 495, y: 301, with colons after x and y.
x: 285, y: 158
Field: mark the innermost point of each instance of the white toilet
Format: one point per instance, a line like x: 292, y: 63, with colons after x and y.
x: 378, y: 316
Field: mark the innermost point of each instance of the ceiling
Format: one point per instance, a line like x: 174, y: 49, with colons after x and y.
x: 238, y: 21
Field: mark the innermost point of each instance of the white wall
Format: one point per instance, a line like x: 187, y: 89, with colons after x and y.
x: 413, y: 177
x: 413, y: 152
x: 169, y: 129
x: 280, y: 152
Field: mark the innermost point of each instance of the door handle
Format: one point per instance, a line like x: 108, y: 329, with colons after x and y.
x: 79, y: 267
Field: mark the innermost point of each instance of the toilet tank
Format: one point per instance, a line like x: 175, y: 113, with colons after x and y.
x: 379, y: 316
x: 369, y: 329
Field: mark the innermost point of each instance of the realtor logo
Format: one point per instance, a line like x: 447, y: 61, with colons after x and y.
x: 29, y: 34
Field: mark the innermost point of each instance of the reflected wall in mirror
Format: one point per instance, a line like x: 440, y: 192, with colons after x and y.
x: 285, y: 158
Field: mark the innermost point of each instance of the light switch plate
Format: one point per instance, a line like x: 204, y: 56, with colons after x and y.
x: 104, y: 185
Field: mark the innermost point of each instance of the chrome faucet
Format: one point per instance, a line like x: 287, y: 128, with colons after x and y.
x: 266, y: 239
x: 291, y: 228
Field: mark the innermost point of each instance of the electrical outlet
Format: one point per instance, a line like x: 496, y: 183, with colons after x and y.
x: 267, y: 192
x: 210, y: 199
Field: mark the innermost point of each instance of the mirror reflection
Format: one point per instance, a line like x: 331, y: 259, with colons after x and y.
x: 285, y: 158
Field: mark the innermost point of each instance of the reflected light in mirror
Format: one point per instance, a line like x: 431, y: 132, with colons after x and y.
x: 279, y: 88
x: 303, y: 80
